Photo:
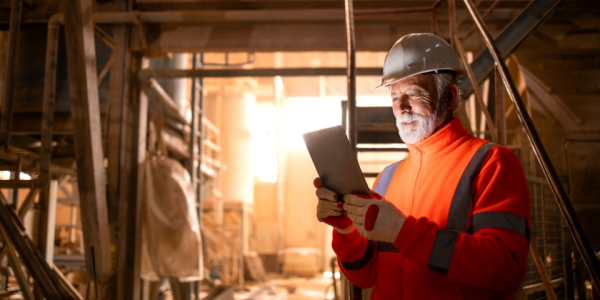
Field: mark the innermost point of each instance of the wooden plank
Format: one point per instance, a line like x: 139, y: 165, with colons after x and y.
x: 117, y: 93
x: 85, y: 110
x: 133, y: 157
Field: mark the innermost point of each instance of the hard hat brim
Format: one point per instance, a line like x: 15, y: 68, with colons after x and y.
x: 390, y: 81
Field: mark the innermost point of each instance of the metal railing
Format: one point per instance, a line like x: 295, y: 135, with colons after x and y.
x: 564, y: 204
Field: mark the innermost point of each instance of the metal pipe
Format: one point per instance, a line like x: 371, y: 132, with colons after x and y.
x: 452, y: 21
x: 477, y: 90
x: 47, y: 110
x: 351, y: 74
x: 354, y: 292
x: 564, y: 204
x: 485, y: 14
x: 11, y: 72
x: 500, y: 108
x: 146, y: 74
x: 217, y: 16
x: 166, y: 100
x: 466, y: 14
x: 243, y: 15
x: 432, y: 7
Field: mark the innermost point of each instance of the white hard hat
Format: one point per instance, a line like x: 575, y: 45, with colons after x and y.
x: 419, y: 53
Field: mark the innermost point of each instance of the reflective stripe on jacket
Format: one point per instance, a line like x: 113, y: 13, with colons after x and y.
x: 467, y: 229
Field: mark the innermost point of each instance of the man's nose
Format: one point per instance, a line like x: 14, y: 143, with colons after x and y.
x: 403, y: 105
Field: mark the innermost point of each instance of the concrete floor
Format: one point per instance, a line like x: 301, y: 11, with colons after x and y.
x: 290, y: 288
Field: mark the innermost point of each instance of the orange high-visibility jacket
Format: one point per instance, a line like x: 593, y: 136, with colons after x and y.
x: 467, y: 228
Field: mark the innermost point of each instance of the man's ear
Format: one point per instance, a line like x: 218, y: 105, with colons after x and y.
x: 452, y: 96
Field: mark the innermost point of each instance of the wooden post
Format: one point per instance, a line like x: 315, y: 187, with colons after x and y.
x: 85, y: 110
x: 133, y: 144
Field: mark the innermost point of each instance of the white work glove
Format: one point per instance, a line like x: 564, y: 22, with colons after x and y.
x: 330, y: 210
x: 374, y: 217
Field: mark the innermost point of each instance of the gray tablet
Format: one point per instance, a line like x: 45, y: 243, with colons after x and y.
x: 335, y: 161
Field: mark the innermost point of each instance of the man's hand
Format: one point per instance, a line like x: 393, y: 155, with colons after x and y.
x: 374, y: 217
x: 330, y: 210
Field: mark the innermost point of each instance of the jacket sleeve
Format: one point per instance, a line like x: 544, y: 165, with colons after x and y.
x: 494, y: 257
x: 357, y: 258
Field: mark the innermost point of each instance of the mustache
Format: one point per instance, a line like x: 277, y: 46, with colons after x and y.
x: 410, y: 117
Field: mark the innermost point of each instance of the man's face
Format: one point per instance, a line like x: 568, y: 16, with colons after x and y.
x: 415, y: 105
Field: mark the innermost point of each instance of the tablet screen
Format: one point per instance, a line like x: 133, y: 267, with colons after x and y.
x: 336, y: 161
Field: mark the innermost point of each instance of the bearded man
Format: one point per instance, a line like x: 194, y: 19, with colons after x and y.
x: 451, y: 221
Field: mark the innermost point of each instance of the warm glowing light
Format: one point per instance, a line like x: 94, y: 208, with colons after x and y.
x: 188, y: 114
x: 264, y: 143
x: 301, y: 115
x: 375, y: 100
x: 5, y: 175
x: 278, y: 83
x: 327, y: 274
x: 337, y: 275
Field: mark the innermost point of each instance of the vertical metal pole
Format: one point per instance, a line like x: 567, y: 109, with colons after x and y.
x: 354, y: 292
x: 452, y: 20
x: 434, y: 21
x: 11, y: 71
x: 194, y: 155
x: 50, y: 222
x: 560, y: 194
x: 351, y: 73
x: 193, y: 130
x: 500, y: 115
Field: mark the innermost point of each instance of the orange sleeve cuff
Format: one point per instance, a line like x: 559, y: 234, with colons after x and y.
x: 339, y: 238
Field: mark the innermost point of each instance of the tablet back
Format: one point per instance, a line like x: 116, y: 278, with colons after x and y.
x: 335, y: 161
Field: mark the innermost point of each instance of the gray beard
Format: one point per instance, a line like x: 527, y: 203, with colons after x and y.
x: 426, y: 126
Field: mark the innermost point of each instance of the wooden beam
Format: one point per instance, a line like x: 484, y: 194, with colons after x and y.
x: 30, y: 123
x: 274, y: 37
x: 133, y: 157
x: 203, y: 73
x: 117, y: 93
x: 85, y: 110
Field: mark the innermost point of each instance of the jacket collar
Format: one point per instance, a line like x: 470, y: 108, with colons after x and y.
x: 440, y: 143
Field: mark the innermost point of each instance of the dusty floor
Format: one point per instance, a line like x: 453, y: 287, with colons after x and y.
x: 279, y: 287
x: 290, y: 288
